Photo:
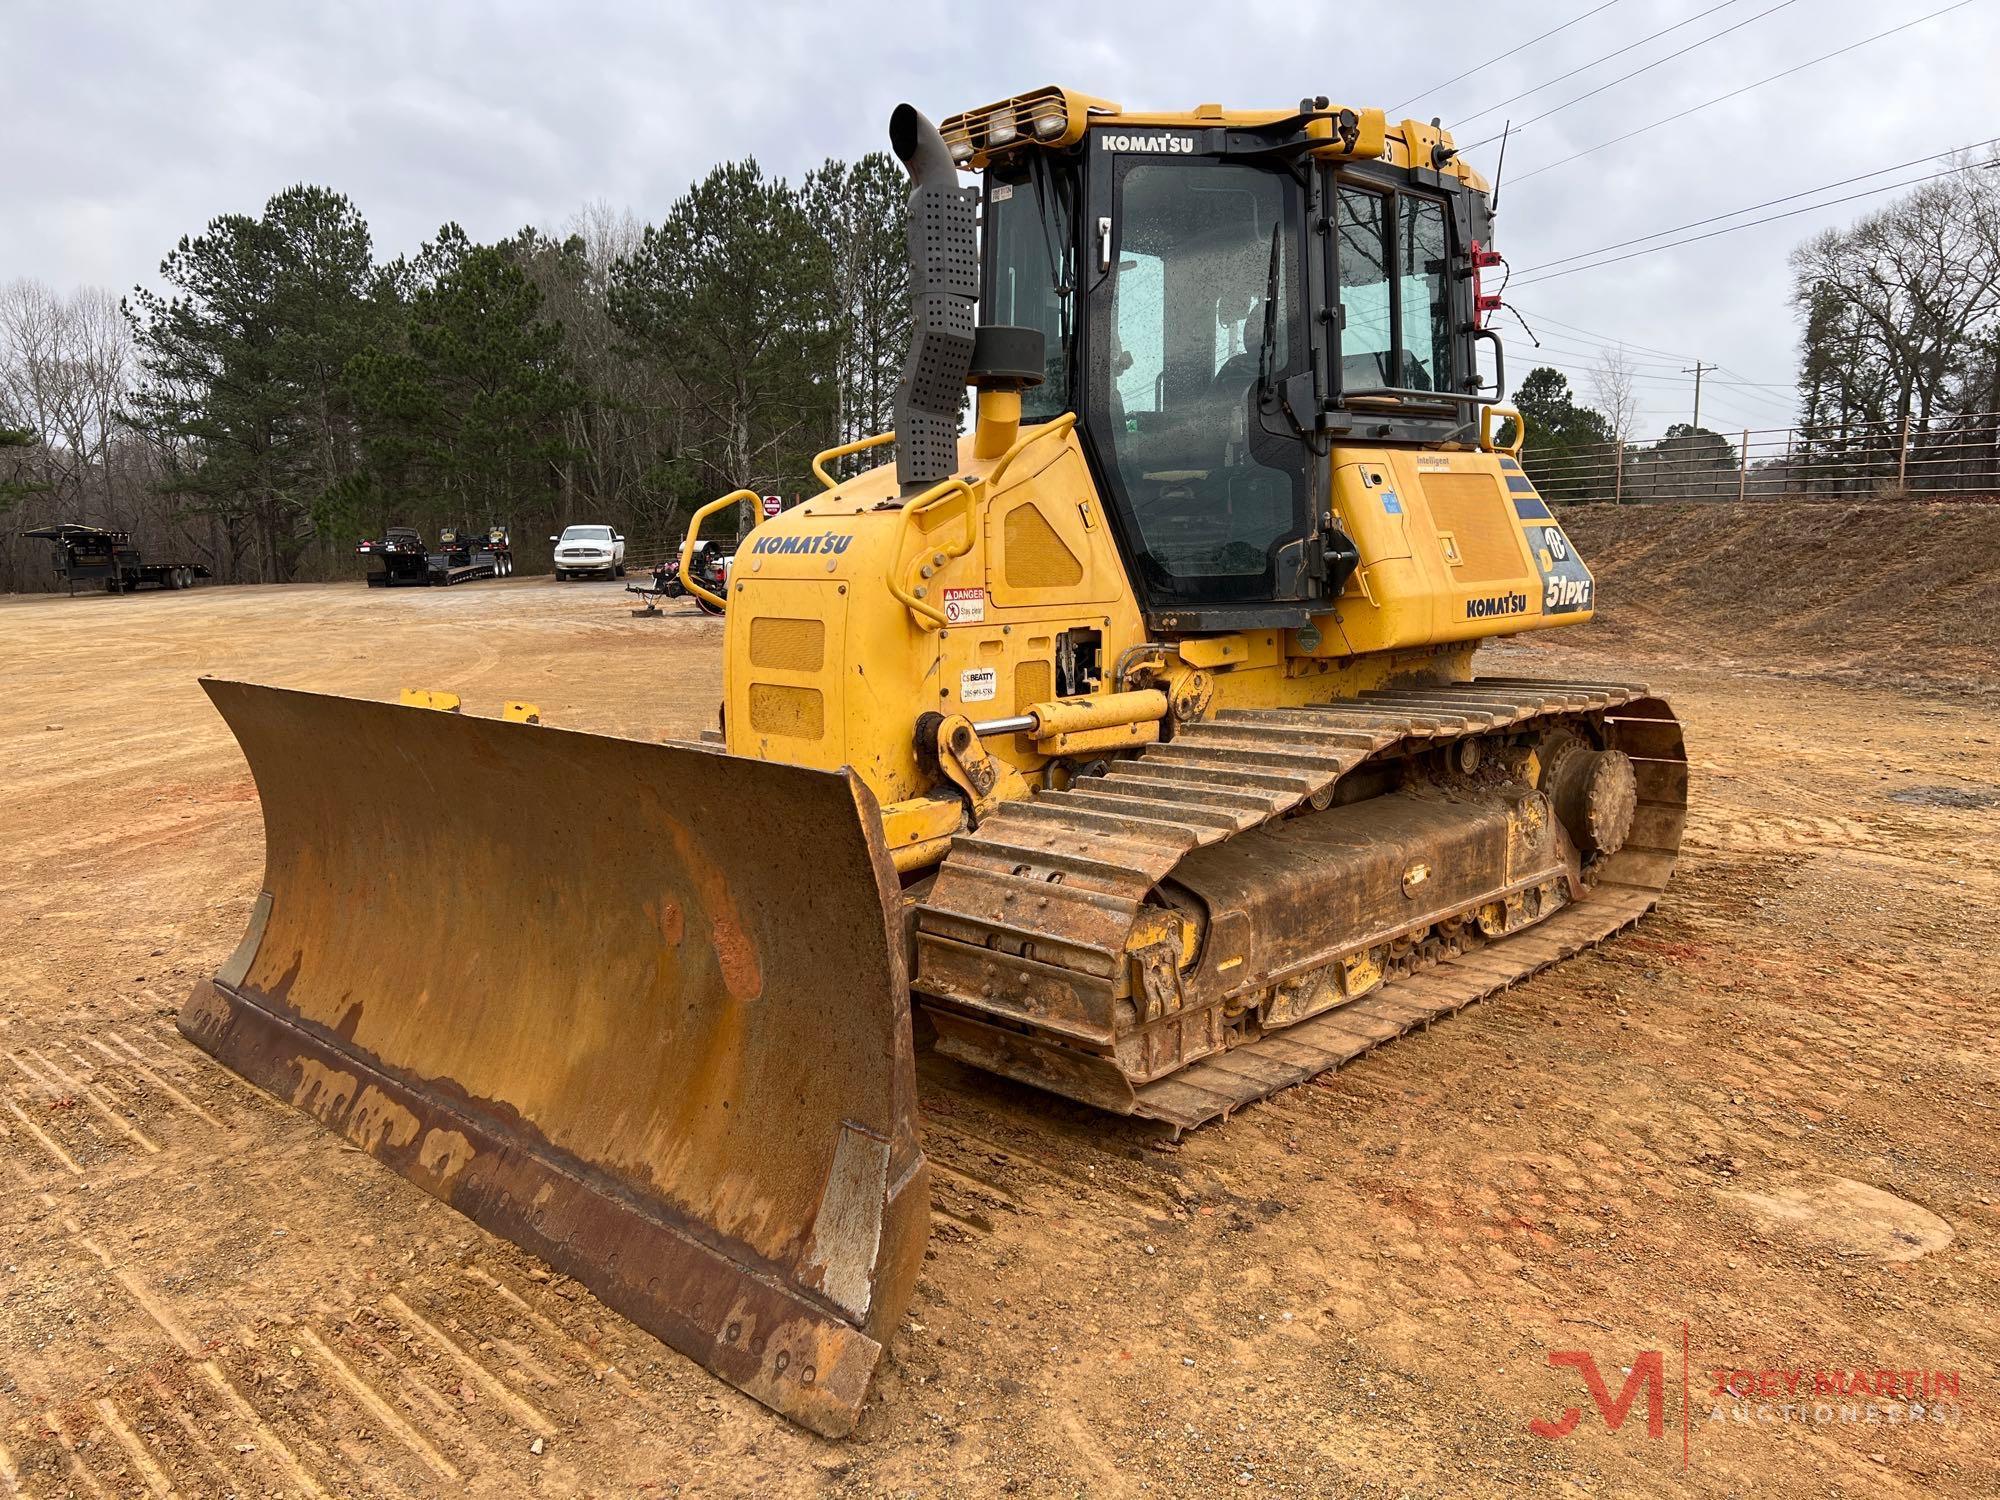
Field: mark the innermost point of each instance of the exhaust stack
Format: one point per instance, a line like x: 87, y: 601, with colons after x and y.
x: 944, y: 289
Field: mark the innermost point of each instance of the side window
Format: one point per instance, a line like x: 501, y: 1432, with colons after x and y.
x: 1366, y: 335
x: 1421, y: 266
x: 1028, y: 258
x: 1139, y: 353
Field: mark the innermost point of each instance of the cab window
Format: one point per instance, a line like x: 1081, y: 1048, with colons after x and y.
x: 1031, y: 268
x: 1395, y: 295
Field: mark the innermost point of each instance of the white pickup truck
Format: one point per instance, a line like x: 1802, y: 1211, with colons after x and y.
x: 589, y: 549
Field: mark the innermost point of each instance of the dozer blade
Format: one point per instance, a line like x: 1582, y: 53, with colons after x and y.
x: 636, y: 1007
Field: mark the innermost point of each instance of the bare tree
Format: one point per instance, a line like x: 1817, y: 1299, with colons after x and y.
x: 1611, y: 388
x: 1910, y: 290
x: 65, y: 365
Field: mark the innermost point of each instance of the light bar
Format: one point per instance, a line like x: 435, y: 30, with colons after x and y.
x: 1050, y: 117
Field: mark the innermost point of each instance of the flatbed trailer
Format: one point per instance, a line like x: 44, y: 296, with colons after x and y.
x: 400, y: 557
x: 91, y: 554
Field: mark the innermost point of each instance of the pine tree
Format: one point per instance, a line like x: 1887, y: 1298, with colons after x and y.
x: 464, y: 411
x: 862, y: 209
x: 733, y: 293
x: 1562, y: 436
x: 14, y: 441
x: 243, y: 367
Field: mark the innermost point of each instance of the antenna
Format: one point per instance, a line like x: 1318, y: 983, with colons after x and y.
x: 1493, y: 198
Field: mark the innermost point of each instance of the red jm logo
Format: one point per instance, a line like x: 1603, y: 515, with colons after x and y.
x: 1648, y: 1373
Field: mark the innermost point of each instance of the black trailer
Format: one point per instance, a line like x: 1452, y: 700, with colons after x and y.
x: 465, y: 554
x: 400, y: 556
x: 90, y: 554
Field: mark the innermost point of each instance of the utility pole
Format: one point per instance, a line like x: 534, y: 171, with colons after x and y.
x: 1698, y: 371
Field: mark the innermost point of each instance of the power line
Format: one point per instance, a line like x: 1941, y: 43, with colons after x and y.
x: 1791, y: 213
x: 1651, y: 383
x: 1602, y: 343
x: 1586, y: 67
x: 1460, y: 78
x: 1600, y: 352
x: 1757, y: 385
x: 1655, y: 63
x: 1733, y: 93
x: 1610, y: 340
x: 1901, y: 166
x: 1598, y: 344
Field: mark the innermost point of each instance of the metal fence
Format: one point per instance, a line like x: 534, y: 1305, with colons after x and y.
x: 1946, y: 458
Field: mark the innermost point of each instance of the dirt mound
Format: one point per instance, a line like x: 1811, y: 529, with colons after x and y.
x: 1878, y: 591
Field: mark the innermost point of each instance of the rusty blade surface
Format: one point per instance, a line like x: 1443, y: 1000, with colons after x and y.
x: 636, y: 1007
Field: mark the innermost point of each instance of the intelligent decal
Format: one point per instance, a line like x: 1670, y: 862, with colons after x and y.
x: 820, y: 544
x: 1567, y: 587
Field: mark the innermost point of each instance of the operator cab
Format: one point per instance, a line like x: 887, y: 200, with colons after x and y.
x: 1224, y: 298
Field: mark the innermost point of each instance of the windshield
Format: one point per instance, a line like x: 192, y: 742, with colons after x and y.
x: 1032, y: 265
x: 587, y: 534
x: 1213, y: 495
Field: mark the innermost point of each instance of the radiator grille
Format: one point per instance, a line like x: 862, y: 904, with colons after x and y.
x: 1034, y: 682
x: 1036, y: 556
x: 787, y: 645
x: 1472, y: 508
x: 796, y: 713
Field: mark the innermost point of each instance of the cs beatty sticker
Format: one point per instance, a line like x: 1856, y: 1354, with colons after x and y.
x: 980, y: 685
x: 1567, y: 587
x: 964, y: 606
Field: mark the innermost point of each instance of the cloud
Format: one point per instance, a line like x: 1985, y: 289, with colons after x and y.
x: 150, y: 120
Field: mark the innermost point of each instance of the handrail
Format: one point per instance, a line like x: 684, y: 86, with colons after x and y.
x: 929, y: 615
x: 1486, y: 438
x: 934, y: 496
x: 820, y: 460
x: 735, y: 497
x: 1062, y: 423
x: 943, y: 490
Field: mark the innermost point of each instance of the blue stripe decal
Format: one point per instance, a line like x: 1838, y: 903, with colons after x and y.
x: 1528, y: 508
x: 1520, y: 484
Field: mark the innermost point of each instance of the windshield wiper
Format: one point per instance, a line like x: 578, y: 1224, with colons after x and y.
x: 1043, y: 177
x: 1267, y: 358
x: 1268, y: 388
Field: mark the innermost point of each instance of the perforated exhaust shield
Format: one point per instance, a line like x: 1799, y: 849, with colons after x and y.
x: 944, y: 286
x: 636, y: 1007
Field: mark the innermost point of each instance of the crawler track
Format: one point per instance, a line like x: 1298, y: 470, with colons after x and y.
x: 1055, y: 884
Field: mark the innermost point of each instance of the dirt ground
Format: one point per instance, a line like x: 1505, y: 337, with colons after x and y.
x: 1758, y: 1134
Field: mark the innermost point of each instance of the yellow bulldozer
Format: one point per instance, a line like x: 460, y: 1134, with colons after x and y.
x: 1129, y: 744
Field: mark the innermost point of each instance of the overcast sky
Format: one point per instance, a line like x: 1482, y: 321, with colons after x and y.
x: 129, y: 125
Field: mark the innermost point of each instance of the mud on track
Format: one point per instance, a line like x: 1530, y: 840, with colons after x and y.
x: 1768, y: 1115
